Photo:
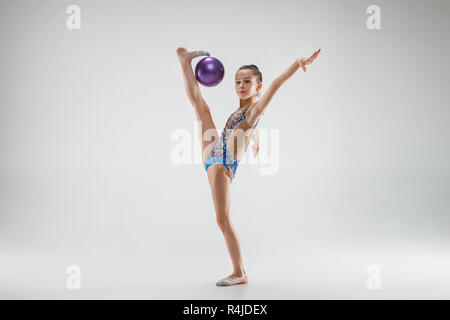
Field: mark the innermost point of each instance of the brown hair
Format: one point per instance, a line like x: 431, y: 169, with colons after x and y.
x: 255, y: 69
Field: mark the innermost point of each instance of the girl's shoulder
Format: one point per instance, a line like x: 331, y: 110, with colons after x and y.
x: 251, y: 117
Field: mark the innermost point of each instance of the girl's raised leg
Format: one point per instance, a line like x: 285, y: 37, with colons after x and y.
x: 218, y: 179
x: 207, y: 130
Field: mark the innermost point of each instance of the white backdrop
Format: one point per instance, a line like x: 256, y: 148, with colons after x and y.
x: 88, y: 177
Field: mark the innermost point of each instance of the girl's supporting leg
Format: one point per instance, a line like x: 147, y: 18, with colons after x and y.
x: 220, y: 188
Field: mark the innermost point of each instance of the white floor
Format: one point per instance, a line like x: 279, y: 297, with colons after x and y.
x: 164, y: 271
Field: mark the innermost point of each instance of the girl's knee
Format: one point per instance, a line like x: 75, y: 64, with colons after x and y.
x: 223, y: 222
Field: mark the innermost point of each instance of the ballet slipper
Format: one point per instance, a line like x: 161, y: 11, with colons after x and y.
x: 229, y: 281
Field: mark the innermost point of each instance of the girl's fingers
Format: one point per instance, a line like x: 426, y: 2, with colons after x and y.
x: 311, y: 59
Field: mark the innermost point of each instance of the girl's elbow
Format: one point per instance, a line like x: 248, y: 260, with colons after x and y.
x: 277, y: 82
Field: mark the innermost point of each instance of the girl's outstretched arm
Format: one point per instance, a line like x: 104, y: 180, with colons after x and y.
x: 262, y: 103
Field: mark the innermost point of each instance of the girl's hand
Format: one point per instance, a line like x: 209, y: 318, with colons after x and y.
x: 255, y: 150
x: 302, y: 62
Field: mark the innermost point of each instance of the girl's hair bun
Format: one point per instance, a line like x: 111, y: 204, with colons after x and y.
x: 255, y: 69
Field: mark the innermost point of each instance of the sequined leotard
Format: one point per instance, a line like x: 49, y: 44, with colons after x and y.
x: 220, y: 154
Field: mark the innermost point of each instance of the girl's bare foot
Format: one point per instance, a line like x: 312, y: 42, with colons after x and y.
x: 232, y: 280
x: 185, y: 55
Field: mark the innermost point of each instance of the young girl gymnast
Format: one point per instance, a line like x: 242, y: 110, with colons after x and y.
x: 221, y: 153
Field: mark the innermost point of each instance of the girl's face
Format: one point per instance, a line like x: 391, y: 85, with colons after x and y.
x: 246, y: 84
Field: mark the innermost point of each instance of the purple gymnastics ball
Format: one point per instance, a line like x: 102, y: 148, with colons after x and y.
x: 209, y: 71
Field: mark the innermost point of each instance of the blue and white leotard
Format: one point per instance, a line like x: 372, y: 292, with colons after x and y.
x: 220, y: 154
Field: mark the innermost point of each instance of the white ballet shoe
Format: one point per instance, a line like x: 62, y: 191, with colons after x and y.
x: 197, y: 53
x: 202, y: 53
x: 228, y: 281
